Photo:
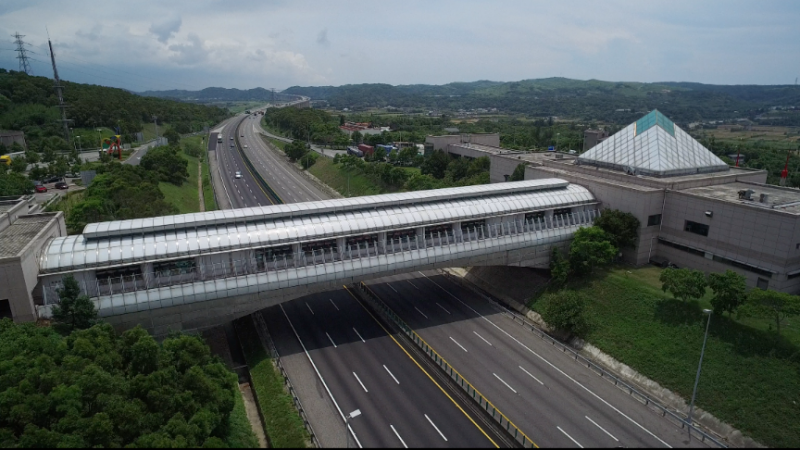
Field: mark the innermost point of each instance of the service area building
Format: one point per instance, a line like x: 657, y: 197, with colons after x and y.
x: 695, y: 211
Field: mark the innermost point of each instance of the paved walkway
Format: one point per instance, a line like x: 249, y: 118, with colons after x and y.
x: 200, y: 186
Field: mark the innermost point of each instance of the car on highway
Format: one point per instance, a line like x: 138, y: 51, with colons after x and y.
x: 238, y: 175
x: 241, y: 135
x: 245, y: 145
x: 61, y: 185
x: 41, y: 188
x: 231, y: 137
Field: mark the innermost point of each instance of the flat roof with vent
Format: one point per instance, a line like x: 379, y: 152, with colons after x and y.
x: 653, y: 146
x: 776, y: 197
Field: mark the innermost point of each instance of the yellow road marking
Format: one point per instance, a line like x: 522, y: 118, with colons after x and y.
x: 423, y: 370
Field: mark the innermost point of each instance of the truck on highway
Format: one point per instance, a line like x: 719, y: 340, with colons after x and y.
x: 355, y: 152
x: 366, y: 149
x: 219, y: 138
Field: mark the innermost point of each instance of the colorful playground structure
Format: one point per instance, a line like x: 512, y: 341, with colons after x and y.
x: 113, y: 144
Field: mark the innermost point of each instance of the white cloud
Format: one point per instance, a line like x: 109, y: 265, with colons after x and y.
x: 165, y: 29
x: 322, y: 37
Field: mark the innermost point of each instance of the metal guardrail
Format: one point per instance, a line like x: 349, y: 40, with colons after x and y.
x: 513, y: 431
x: 599, y: 370
x: 266, y: 339
x: 252, y: 168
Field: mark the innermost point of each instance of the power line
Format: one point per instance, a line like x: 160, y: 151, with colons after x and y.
x: 59, y: 91
x: 24, y: 65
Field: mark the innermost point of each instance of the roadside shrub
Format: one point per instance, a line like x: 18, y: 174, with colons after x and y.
x: 564, y: 310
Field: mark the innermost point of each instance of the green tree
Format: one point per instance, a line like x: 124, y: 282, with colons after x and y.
x: 590, y: 248
x: 435, y: 164
x: 13, y: 183
x: 684, y: 284
x: 769, y: 304
x: 559, y: 267
x: 31, y: 157
x: 166, y: 162
x: 18, y: 164
x: 308, y: 160
x: 356, y: 137
x: 296, y: 150
x: 192, y: 148
x: 379, y: 155
x: 173, y: 138
x: 622, y: 228
x: 518, y: 174
x: 729, y: 291
x: 564, y: 310
x: 74, y: 311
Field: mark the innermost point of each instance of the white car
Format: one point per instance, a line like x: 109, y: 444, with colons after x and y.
x: 238, y: 175
x: 245, y: 145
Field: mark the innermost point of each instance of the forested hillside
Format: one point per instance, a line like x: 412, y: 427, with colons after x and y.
x: 618, y: 102
x: 28, y: 103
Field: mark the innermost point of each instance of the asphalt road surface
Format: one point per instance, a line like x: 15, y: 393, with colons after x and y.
x: 285, y: 180
x: 366, y: 369
x: 245, y: 191
x: 552, y: 399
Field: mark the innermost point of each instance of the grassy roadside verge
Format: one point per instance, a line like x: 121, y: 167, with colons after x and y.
x: 240, y: 435
x: 185, y: 197
x: 750, y: 379
x: 337, y: 178
x: 283, y: 425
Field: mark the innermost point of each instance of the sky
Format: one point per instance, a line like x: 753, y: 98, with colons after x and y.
x: 194, y: 44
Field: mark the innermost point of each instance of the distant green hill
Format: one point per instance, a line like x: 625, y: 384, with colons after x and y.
x: 213, y: 94
x: 619, y: 102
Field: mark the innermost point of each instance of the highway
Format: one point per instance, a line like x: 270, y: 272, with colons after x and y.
x: 362, y: 366
x: 242, y: 192
x: 553, y: 400
x: 284, y: 179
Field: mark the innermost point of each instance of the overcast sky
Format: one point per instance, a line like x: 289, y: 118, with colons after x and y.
x: 193, y: 44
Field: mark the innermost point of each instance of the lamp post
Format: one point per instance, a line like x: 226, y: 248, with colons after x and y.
x: 80, y: 147
x: 347, y: 418
x: 697, y: 378
x: 558, y: 139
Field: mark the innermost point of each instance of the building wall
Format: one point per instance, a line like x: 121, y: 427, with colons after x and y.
x: 502, y: 167
x: 441, y: 142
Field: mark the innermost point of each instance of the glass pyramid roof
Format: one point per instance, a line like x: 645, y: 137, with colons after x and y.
x: 653, y: 146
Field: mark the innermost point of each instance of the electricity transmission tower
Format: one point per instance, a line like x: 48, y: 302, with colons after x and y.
x: 59, y: 91
x: 24, y: 65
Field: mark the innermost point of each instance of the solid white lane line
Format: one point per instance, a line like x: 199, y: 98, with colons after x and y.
x: 319, y: 375
x: 484, y: 340
x: 423, y: 314
x: 390, y: 285
x: 440, y: 306
x: 359, y: 335
x: 415, y: 286
x: 309, y: 308
x: 391, y: 374
x: 604, y: 430
x: 334, y: 304
x: 501, y: 380
x: 554, y: 367
x: 462, y: 347
x: 435, y: 427
x: 570, y: 437
x: 398, y: 436
x: 359, y: 382
x: 329, y: 338
x: 531, y: 375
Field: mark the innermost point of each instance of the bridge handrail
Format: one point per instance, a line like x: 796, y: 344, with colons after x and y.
x: 601, y: 371
x: 514, y: 431
x: 252, y: 265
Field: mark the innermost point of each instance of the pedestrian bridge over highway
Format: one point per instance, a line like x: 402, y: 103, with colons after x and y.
x: 193, y: 270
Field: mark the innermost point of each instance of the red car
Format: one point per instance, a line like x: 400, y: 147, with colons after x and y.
x: 41, y: 188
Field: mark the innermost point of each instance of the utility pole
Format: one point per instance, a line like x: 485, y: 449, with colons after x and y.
x: 155, y: 122
x: 59, y: 92
x: 24, y: 65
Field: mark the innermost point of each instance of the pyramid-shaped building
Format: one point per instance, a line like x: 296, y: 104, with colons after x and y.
x: 653, y: 146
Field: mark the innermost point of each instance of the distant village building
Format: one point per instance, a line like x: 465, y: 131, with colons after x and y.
x: 8, y: 137
x: 364, y: 128
x: 593, y: 137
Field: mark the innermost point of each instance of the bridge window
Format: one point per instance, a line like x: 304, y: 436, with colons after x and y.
x: 117, y: 272
x: 403, y: 235
x: 172, y: 268
x: 560, y: 211
x: 311, y: 247
x: 445, y: 229
x: 536, y: 216
x: 361, y: 241
x: 267, y: 255
x: 473, y: 225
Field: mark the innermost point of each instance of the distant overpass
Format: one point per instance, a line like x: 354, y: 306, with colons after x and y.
x: 195, y: 270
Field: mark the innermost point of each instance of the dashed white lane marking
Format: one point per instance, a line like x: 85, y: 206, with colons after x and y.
x: 359, y: 335
x: 604, y: 430
x: 390, y: 285
x: 415, y: 286
x: 440, y: 306
x: 391, y: 374
x: 423, y: 314
x: 334, y: 304
x: 398, y: 436
x: 570, y: 437
x: 484, y: 340
x: 435, y: 427
x: 462, y: 347
x: 531, y: 375
x: 501, y: 380
x: 331, y: 339
x: 359, y: 382
x: 309, y: 308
